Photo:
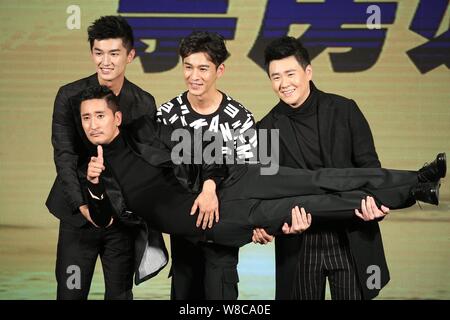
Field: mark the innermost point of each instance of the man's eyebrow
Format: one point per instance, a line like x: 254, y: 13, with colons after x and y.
x: 112, y: 50
x: 88, y: 113
x: 278, y: 73
x: 201, y: 66
x: 274, y: 74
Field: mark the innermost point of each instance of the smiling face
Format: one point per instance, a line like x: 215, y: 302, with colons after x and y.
x: 201, y: 74
x: 111, y: 59
x: 99, y: 122
x: 290, y: 81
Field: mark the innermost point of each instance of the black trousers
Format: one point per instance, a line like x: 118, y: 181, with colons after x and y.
x: 77, y: 252
x: 329, y: 194
x: 255, y: 200
x: 203, y: 271
x: 392, y: 187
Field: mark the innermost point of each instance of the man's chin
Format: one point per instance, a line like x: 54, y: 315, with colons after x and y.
x: 106, y: 77
x: 196, y: 91
x: 291, y: 102
x: 97, y: 142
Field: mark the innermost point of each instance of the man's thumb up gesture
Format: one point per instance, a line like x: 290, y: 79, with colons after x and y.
x: 95, y: 166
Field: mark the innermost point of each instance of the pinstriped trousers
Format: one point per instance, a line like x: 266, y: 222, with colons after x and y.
x: 326, y: 254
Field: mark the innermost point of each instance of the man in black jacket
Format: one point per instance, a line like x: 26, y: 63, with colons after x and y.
x: 321, y: 130
x: 80, y: 241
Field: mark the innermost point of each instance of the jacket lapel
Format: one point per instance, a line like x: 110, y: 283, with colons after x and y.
x: 325, y: 114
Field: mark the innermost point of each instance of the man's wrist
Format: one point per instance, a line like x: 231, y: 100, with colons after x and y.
x: 209, y: 185
x: 93, y: 180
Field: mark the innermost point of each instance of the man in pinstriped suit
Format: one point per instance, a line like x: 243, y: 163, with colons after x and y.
x: 319, y: 130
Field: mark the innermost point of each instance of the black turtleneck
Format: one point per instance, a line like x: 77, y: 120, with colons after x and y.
x: 149, y: 190
x: 304, y: 122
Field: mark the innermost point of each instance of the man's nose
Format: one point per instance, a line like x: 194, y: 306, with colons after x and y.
x: 283, y: 82
x: 94, y: 123
x: 106, y: 60
x: 195, y: 74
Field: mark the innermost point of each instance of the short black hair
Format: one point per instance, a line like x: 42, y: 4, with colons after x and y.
x: 101, y: 92
x: 285, y: 47
x: 208, y: 42
x: 111, y: 27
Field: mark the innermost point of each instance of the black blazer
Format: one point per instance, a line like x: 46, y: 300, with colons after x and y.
x: 71, y: 153
x: 345, y: 142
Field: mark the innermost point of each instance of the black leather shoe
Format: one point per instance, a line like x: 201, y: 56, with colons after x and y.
x: 434, y: 171
x: 427, y: 192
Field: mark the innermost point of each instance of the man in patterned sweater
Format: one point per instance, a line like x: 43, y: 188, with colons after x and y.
x: 207, y: 270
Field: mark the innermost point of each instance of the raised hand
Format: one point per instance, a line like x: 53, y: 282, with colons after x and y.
x: 95, y: 166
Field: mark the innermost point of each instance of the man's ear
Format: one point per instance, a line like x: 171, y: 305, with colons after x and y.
x: 118, y: 118
x: 131, y: 55
x: 220, y: 70
x: 309, y: 71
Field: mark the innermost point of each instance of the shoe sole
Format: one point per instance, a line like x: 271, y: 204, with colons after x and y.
x: 436, y: 193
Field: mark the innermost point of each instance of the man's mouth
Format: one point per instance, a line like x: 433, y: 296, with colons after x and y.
x: 288, y: 93
x: 106, y: 70
x: 95, y: 134
x: 195, y: 85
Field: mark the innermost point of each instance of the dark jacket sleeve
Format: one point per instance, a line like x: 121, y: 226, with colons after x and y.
x: 364, y: 154
x: 64, y: 135
x: 100, y: 207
